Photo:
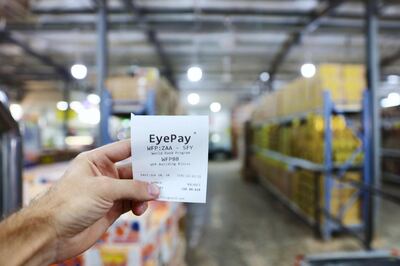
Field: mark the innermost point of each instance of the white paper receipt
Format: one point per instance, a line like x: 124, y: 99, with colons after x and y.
x: 172, y: 152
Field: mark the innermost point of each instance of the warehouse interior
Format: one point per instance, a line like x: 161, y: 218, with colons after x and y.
x: 303, y: 99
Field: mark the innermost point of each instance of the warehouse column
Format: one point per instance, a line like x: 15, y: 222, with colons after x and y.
x: 101, y: 61
x: 11, y: 163
x: 373, y: 78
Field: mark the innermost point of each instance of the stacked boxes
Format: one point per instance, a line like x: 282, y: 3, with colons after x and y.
x: 151, y: 239
x: 133, y: 88
x: 304, y: 139
x: 299, y: 187
x: 167, y: 99
x: 344, y: 82
x: 137, y: 88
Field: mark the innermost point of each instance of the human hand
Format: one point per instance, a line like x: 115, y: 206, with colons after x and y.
x: 90, y: 196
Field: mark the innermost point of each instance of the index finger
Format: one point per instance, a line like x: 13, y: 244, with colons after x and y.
x: 115, y: 152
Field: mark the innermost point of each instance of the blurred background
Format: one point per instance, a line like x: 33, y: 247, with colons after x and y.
x: 303, y: 103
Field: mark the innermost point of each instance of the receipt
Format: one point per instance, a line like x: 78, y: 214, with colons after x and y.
x: 172, y: 152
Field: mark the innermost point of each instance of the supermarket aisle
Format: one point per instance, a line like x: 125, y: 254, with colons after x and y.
x: 243, y: 225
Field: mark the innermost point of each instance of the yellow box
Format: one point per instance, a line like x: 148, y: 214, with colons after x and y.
x: 125, y: 88
x: 354, y: 72
x: 330, y: 70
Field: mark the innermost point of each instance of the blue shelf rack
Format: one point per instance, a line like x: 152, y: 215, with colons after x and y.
x: 330, y: 171
x: 110, y: 107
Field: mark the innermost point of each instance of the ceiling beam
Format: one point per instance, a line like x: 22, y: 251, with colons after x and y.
x: 295, y: 38
x: 152, y: 38
x: 182, y: 25
x: 207, y: 11
x: 46, y: 60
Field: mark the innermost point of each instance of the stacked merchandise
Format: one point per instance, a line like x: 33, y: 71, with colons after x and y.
x: 288, y: 123
x: 240, y: 115
x: 344, y: 82
x: 167, y: 99
x: 145, y: 93
x: 151, y: 239
x: 144, y: 84
x: 133, y: 87
x: 305, y: 140
x: 284, y: 138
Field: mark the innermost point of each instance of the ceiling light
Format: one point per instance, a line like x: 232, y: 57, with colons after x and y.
x: 93, y: 98
x: 194, y: 74
x: 79, y: 71
x: 393, y: 79
x: 89, y: 116
x: 264, y: 76
x: 76, y: 106
x: 215, y: 107
x: 16, y: 111
x: 215, y: 138
x: 308, y: 70
x: 393, y: 99
x: 62, y: 105
x: 193, y: 98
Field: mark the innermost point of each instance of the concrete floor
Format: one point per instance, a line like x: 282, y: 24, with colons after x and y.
x: 242, y: 224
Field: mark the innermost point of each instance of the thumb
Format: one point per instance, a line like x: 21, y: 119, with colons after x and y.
x: 129, y: 189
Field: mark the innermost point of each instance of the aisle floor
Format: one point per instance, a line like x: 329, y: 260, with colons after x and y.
x: 242, y: 224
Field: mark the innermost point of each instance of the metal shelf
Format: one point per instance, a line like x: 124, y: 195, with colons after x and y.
x: 124, y: 107
x: 391, y: 177
x: 347, y: 110
x: 393, y: 153
x: 292, y: 161
x: 304, y: 115
x: 328, y: 168
x: 302, y: 163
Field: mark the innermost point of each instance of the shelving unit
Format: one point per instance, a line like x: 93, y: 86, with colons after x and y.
x: 328, y: 177
x: 10, y: 163
x: 124, y: 108
x: 393, y: 153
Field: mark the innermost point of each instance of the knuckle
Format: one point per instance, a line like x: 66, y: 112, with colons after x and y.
x: 82, y: 156
x: 103, y: 185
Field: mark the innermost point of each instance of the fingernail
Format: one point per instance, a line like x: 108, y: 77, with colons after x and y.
x: 153, y: 190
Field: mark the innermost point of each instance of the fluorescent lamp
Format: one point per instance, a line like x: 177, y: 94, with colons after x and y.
x: 308, y: 70
x: 194, y: 74
x: 93, y: 98
x: 215, y: 107
x: 193, y: 98
x: 79, y: 71
x: 62, y: 105
x: 264, y: 76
